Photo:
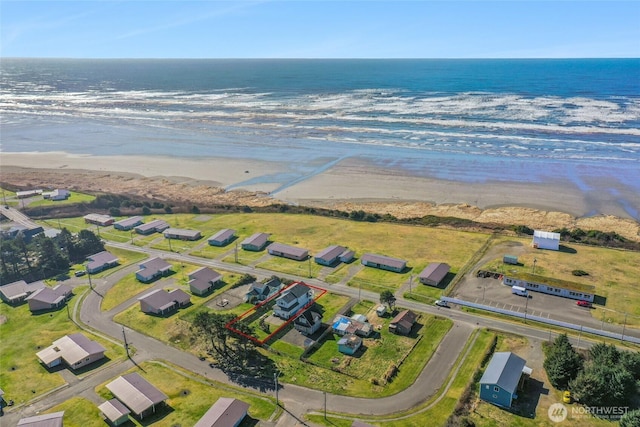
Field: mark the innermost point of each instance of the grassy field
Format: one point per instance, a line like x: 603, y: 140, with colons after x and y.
x: 22, y: 335
x: 614, y: 273
x: 79, y: 412
x: 75, y: 198
x: 190, y: 396
x: 432, y: 412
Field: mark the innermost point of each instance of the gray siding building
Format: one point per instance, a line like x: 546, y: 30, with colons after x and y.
x: 256, y: 242
x: 222, y: 237
x: 287, y: 251
x: 434, y: 273
x: 384, y: 262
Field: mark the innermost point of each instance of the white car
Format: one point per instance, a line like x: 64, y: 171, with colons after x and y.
x: 441, y: 303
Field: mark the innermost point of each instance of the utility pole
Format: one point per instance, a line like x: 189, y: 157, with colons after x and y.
x: 534, y: 265
x: 89, y: 276
x: 325, y: 405
x: 310, y: 266
x: 170, y: 249
x: 126, y: 344
x: 526, y: 306
x: 410, y: 282
x: 236, y: 252
x: 275, y: 378
x: 624, y: 326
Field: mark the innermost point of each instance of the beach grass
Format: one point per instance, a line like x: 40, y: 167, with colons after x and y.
x: 22, y: 335
x: 190, y: 396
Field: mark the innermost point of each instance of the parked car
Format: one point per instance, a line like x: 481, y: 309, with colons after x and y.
x: 441, y: 303
x: 80, y: 273
x: 584, y: 304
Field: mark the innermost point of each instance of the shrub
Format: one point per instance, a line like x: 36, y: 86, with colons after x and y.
x: 579, y: 273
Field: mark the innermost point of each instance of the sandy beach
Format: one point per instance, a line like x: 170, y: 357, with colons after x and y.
x: 350, y: 184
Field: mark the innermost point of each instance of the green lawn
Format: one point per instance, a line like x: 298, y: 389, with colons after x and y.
x: 22, y: 335
x: 284, y: 265
x: 75, y: 198
x: 79, y: 412
x: 190, y: 396
x: 126, y: 288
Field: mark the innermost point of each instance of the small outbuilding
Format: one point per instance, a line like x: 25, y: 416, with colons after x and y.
x: 502, y: 378
x: 510, y: 259
x: 434, y: 273
x: 546, y: 240
x: 226, y: 412
x: 222, y: 237
x: 403, y: 322
x: 54, y: 419
x: 114, y: 412
x: 349, y: 344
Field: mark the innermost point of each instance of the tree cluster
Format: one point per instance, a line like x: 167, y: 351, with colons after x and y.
x: 43, y: 256
x: 229, y: 348
x: 608, y: 376
x: 387, y: 297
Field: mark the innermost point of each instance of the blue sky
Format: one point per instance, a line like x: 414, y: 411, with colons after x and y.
x: 319, y: 29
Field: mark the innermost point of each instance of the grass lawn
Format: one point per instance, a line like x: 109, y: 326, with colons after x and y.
x: 126, y: 288
x: 614, y: 273
x: 75, y: 198
x: 284, y: 265
x: 22, y: 335
x: 430, y: 413
x: 212, y: 252
x: 79, y: 412
x: 190, y: 396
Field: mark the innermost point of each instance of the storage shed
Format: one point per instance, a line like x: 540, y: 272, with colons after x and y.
x: 546, y: 240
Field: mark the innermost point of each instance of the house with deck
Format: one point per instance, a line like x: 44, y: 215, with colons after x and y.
x: 203, y: 280
x: 127, y: 224
x: 384, y: 262
x: 255, y: 242
x: 75, y: 350
x: 222, y: 237
x: 137, y: 394
x: 505, y: 374
x: 153, y: 269
x: 287, y: 251
x: 101, y: 261
x: 434, y: 273
x: 292, y: 300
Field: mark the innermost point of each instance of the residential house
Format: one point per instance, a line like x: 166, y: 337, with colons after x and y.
x: 287, y: 251
x: 502, y: 378
x: 256, y: 242
x: 137, y: 394
x: 155, y: 226
x: 57, y: 194
x: 161, y: 302
x: 114, y: 412
x: 384, y: 262
x: 403, y: 322
x: 26, y: 232
x: 182, y: 234
x: 342, y: 325
x: 49, y: 298
x: 101, y: 261
x: 203, y: 280
x: 75, y: 350
x: 546, y: 240
x: 434, y: 273
x: 226, y: 412
x: 259, y: 292
x: 329, y: 256
x: 127, y: 224
x: 99, y: 219
x: 152, y: 269
x: 222, y: 237
x: 349, y: 344
x: 308, y: 322
x: 16, y: 292
x: 54, y: 419
x: 292, y: 300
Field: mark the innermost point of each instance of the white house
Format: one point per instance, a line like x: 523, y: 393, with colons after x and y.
x: 292, y: 300
x: 546, y: 240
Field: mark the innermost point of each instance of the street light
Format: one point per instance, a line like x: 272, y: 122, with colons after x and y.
x: 526, y: 306
x: 534, y: 265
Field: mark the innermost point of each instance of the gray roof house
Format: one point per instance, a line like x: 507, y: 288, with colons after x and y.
x: 256, y: 242
x: 16, y: 292
x: 155, y: 226
x: 330, y: 255
x: 49, y: 298
x: 115, y: 412
x: 101, y: 261
x: 502, y: 378
x: 384, y: 262
x: 434, y: 273
x: 57, y: 194
x: 226, y: 412
x: 222, y: 237
x: 75, y: 350
x: 137, y: 394
x: 182, y: 234
x: 292, y: 300
x: 308, y: 322
x: 152, y: 269
x: 128, y: 223
x: 161, y: 302
x: 287, y: 251
x: 53, y: 419
x: 203, y: 280
x: 259, y: 292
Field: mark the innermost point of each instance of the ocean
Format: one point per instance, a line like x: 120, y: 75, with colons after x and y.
x: 486, y: 121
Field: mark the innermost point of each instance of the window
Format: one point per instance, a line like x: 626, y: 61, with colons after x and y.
x: 496, y: 388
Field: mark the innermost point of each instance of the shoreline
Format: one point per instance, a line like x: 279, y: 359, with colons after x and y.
x: 350, y: 184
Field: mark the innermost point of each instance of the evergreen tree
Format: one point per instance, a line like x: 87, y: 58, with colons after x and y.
x: 562, y: 363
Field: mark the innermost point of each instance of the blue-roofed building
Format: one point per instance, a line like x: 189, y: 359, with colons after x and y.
x: 502, y: 378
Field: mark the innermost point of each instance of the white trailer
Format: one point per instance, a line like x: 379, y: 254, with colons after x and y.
x: 519, y: 290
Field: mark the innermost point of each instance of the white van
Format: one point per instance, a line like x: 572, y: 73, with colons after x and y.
x: 519, y: 290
